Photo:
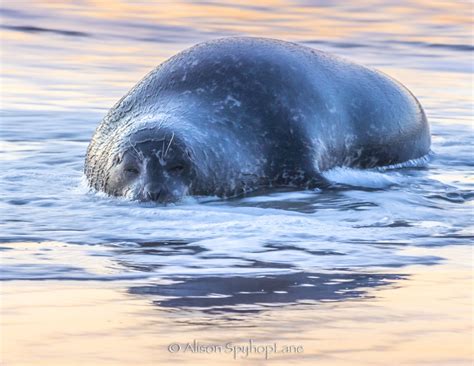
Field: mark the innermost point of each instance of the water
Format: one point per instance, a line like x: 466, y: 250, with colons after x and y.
x: 376, y: 269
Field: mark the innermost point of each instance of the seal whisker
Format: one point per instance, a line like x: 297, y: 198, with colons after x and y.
x: 163, y: 151
x: 139, y: 153
x: 171, y: 140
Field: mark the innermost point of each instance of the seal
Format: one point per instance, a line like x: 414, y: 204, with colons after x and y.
x: 234, y: 115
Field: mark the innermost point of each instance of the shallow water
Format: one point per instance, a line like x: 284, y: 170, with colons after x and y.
x: 375, y: 270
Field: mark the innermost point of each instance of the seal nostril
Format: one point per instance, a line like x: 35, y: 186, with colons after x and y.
x: 154, y: 196
x: 152, y: 193
x: 177, y: 169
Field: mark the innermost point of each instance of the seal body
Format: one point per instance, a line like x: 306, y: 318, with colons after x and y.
x: 233, y: 115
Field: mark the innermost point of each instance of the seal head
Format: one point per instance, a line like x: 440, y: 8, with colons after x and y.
x: 152, y: 165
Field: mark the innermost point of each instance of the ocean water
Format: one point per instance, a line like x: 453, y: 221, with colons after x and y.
x: 375, y: 270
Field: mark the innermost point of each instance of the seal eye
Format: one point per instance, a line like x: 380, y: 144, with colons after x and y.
x: 176, y: 169
x: 131, y: 170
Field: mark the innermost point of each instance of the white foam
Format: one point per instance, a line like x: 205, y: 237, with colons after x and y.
x: 413, y: 163
x: 380, y: 177
x: 361, y: 178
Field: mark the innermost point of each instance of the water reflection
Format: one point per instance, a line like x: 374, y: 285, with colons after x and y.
x: 252, y: 281
x: 238, y: 294
x: 262, y: 285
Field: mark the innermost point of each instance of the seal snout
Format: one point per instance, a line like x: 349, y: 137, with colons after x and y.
x: 153, y: 192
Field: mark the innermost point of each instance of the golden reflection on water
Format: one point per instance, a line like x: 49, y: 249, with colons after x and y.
x: 304, y: 15
x: 426, y: 319
x: 124, y: 40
